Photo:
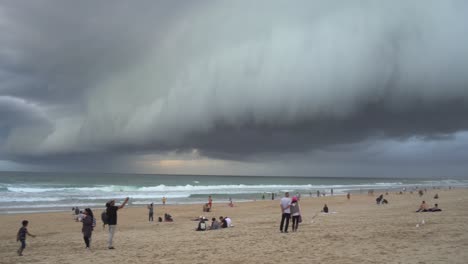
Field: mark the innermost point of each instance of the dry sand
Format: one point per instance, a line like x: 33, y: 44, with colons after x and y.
x: 359, y: 232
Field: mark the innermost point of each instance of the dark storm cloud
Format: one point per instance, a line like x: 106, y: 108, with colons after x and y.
x: 232, y: 79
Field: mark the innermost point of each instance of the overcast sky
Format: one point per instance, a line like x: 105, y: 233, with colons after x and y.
x: 313, y: 88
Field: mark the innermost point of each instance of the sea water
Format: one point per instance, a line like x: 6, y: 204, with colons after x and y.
x: 45, y: 192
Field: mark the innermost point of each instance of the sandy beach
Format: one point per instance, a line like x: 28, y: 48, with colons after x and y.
x: 356, y: 231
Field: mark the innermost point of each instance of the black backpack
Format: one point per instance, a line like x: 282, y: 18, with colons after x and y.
x: 104, y: 218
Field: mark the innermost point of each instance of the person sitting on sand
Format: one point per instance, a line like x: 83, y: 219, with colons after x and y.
x: 384, y: 201
x: 325, y: 209
x: 434, y: 209
x: 422, y: 207
x: 228, y: 221
x: 206, y: 207
x: 168, y: 218
x: 214, y: 224
x: 379, y: 199
x: 436, y: 196
x: 223, y: 222
x: 201, y: 225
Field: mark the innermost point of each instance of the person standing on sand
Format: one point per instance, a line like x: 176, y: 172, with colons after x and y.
x: 210, y: 202
x: 348, y: 196
x: 285, y: 205
x: 112, y: 218
x: 21, y: 236
x: 87, y: 229
x: 150, y: 212
x: 164, y: 199
x: 295, y: 213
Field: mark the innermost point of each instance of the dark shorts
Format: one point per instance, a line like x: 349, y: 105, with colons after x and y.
x: 23, y: 244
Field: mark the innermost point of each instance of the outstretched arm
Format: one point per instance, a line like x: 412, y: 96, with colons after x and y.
x: 124, y: 203
x: 29, y: 234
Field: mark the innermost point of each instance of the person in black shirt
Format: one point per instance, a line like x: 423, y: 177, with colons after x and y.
x: 112, y: 218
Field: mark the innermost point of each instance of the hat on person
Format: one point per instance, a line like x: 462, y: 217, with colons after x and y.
x: 294, y: 199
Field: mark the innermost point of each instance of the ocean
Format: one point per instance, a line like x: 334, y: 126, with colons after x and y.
x: 27, y: 192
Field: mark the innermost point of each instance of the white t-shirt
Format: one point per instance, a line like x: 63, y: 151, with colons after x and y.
x: 228, y: 221
x: 285, y: 202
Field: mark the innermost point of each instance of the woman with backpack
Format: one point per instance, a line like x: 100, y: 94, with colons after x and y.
x: 296, y: 213
x: 88, y: 226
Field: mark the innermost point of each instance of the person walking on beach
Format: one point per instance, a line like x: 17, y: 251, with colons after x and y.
x: 285, y: 205
x: 150, y: 212
x: 88, y: 225
x: 348, y: 196
x: 112, y: 218
x: 21, y: 236
x: 164, y: 199
x: 295, y: 213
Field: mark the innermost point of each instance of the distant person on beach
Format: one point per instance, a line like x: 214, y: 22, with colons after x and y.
x: 150, y: 212
x: 230, y: 202
x: 348, y: 196
x: 164, y: 199
x: 422, y: 207
x: 206, y: 207
x: 263, y: 196
x: 272, y: 196
x: 168, y: 218
x: 21, y: 236
x: 77, y: 213
x: 285, y: 205
x: 88, y: 226
x: 435, y: 208
x: 210, y: 202
x: 318, y: 193
x: 331, y: 191
x: 325, y: 209
x: 436, y: 196
x: 295, y: 213
x: 379, y: 199
x: 112, y: 218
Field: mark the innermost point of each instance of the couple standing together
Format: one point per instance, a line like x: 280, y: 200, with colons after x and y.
x: 289, y: 207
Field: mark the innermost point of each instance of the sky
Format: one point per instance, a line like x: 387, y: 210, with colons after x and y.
x: 291, y: 88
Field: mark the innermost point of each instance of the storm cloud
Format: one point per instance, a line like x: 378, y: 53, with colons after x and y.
x: 234, y: 80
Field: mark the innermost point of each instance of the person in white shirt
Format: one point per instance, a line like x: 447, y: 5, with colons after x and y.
x: 285, y: 205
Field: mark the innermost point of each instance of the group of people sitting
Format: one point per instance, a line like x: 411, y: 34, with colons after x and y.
x: 381, y: 200
x: 423, y: 208
x: 203, y: 225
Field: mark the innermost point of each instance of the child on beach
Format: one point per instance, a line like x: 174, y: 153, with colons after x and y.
x: 21, y: 236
